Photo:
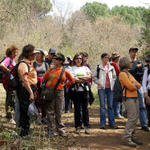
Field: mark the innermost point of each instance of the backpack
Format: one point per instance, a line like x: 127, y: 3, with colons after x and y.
x: 2, y: 72
x: 98, y: 71
x: 118, y: 91
x: 11, y: 79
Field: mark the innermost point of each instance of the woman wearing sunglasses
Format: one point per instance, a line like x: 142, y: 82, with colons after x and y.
x: 80, y: 93
x: 54, y: 106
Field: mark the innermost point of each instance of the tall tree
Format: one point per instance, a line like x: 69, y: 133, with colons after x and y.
x: 14, y: 11
x: 95, y: 9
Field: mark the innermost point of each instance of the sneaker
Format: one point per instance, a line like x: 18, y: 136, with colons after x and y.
x: 129, y: 143
x: 12, y: 121
x: 119, y: 117
x: 63, y: 134
x: 114, y: 126
x: 82, y: 126
x: 144, y: 128
x: 135, y: 140
x: 87, y: 130
x: 78, y: 130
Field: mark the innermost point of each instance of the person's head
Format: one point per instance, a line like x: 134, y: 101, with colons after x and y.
x: 12, y: 51
x: 133, y: 52
x: 78, y: 59
x: 115, y: 57
x: 58, y: 59
x: 124, y: 63
x: 105, y: 58
x: 28, y: 52
x: 51, y: 53
x: 69, y: 59
x: 39, y: 55
x: 85, y: 56
x: 147, y: 60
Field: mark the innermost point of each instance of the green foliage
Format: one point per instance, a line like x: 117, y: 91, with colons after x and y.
x: 95, y: 9
x: 130, y: 15
x: 145, y: 38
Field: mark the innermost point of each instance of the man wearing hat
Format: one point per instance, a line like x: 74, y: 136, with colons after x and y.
x: 137, y: 71
x: 51, y: 54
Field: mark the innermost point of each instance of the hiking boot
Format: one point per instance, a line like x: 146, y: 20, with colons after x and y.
x: 129, y: 143
x: 114, y: 126
x: 102, y: 127
x: 87, y: 130
x: 145, y: 128
x: 135, y: 140
x: 78, y: 130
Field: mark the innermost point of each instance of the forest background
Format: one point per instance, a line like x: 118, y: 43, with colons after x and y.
x: 95, y: 28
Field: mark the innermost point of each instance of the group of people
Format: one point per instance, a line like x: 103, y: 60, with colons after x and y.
x: 71, y: 81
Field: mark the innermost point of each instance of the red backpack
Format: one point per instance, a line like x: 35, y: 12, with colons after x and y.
x: 2, y: 72
x: 11, y: 79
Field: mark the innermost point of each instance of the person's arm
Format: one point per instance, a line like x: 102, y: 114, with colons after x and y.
x: 94, y: 76
x: 70, y: 79
x: 124, y: 79
x: 144, y: 81
x: 23, y: 75
x: 4, y: 68
x: 5, y: 64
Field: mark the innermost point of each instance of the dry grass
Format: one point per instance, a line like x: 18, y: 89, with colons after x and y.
x: 98, y: 139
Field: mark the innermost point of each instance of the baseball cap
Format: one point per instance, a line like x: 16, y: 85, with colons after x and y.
x: 52, y: 51
x: 60, y: 56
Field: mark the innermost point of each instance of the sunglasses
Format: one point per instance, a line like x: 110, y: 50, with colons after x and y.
x: 33, y: 54
x: 78, y: 58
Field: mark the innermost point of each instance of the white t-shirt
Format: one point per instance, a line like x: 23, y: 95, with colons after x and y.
x: 80, y: 72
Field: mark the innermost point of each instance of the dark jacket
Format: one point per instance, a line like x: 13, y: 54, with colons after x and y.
x: 137, y: 72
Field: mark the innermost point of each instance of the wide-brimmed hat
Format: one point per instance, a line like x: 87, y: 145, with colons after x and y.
x: 115, y: 55
x: 39, y: 50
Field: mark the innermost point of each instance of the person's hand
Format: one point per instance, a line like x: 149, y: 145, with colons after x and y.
x: 31, y: 97
x: 135, y: 84
x: 147, y: 99
x: 77, y: 79
x: 139, y: 65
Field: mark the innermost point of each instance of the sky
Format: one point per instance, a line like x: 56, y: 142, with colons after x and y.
x: 69, y: 6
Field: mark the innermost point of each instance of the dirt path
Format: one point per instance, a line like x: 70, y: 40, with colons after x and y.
x: 99, y: 139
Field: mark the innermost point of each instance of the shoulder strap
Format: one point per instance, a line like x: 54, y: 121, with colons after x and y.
x: 46, y: 66
x: 98, y: 71
x: 59, y: 78
x: 9, y: 63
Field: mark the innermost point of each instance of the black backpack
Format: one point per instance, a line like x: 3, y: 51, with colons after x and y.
x: 118, y: 91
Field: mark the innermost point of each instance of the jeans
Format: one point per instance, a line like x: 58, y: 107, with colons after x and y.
x: 116, y: 107
x: 109, y: 94
x: 142, y: 109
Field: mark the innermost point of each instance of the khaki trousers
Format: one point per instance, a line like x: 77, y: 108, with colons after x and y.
x: 132, y: 108
x: 54, y: 111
